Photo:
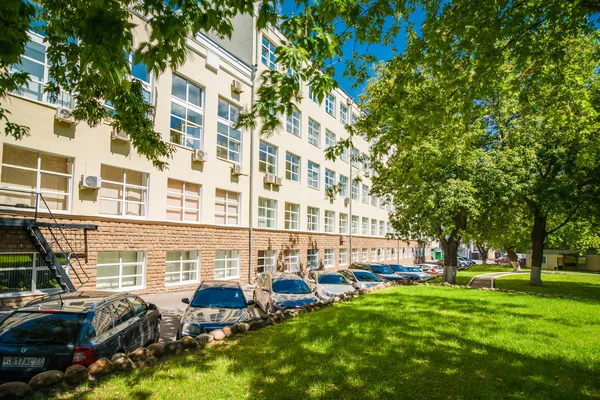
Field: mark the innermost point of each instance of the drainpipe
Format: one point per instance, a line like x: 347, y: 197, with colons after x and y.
x: 251, y: 179
x: 350, y: 197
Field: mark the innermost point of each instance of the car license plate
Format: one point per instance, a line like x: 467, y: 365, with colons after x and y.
x: 22, y: 362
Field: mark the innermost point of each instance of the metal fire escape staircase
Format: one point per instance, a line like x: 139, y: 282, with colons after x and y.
x: 49, y: 239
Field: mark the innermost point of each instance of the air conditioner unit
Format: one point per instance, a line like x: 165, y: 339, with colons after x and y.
x: 237, y: 87
x: 199, y: 155
x: 64, y: 115
x: 272, y: 179
x: 90, y: 182
x: 343, y: 239
x: 346, y: 201
x: 367, y: 175
x: 120, y: 135
x: 349, y: 101
x: 300, y: 94
x: 236, y: 169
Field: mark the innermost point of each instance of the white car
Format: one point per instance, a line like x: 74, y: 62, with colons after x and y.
x: 328, y: 285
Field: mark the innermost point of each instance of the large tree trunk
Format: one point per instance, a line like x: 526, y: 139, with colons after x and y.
x: 513, y: 257
x: 450, y: 248
x: 484, y: 250
x: 538, y: 237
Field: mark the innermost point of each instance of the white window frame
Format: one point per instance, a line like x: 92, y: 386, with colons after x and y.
x: 381, y: 228
x: 293, y: 123
x: 312, y: 259
x: 355, y: 190
x: 124, y: 185
x: 229, y: 124
x: 343, y: 185
x: 267, y: 55
x: 121, y: 264
x: 365, y: 255
x: 267, y: 207
x: 267, y: 262
x: 329, y: 258
x: 344, y: 256
x: 181, y: 262
x: 365, y: 194
x: 185, y: 196
x: 343, y: 223
x: 197, y: 143
x: 314, y: 133
x: 289, y: 212
x: 312, y: 219
x: 365, y: 226
x: 267, y: 158
x: 229, y: 200
x: 329, y: 220
x: 343, y: 114
x: 373, y: 254
x: 291, y: 165
x: 330, y: 139
x: 355, y: 255
x: 330, y: 104
x: 344, y: 156
x: 374, y: 200
x: 228, y: 256
x: 374, y: 227
x: 291, y: 260
x: 355, y: 224
x: 37, y: 265
x: 314, y: 175
x: 329, y: 178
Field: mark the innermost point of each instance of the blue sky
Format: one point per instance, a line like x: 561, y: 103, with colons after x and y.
x: 380, y: 51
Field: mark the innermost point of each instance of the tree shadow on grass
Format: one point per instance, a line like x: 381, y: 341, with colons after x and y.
x: 385, y: 345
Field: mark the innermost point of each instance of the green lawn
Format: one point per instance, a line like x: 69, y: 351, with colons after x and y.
x: 463, y: 277
x: 423, y: 342
x: 585, y: 285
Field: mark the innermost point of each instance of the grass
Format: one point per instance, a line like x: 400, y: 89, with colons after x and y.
x: 584, y: 285
x: 463, y: 277
x: 420, y: 342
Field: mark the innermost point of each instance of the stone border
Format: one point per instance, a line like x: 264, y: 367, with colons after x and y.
x: 54, y: 381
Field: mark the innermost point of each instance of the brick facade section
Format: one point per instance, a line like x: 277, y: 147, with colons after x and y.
x: 155, y: 238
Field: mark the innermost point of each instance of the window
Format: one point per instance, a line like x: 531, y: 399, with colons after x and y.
x: 373, y: 254
x: 343, y: 258
x: 229, y: 140
x: 26, y: 273
x: 365, y: 194
x: 330, y: 139
x: 186, y: 113
x: 227, y: 207
x: 34, y: 171
x: 388, y: 228
x: 394, y: 255
x: 268, y: 53
x: 313, y: 175
x: 291, y: 260
x: 312, y: 259
x: 267, y: 261
x: 364, y: 160
x: 382, y: 202
x: 120, y: 270
x: 182, y: 267
x: 355, y: 190
x: 365, y: 255
x: 389, y: 254
x: 355, y: 225
x: 381, y: 228
x: 381, y: 255
x: 343, y: 186
x: 312, y: 214
x: 292, y: 123
x: 354, y: 118
x: 35, y: 62
x: 343, y: 223
x: 328, y: 258
x: 314, y: 133
x: 373, y: 227
x: 329, y: 179
x: 267, y: 158
x: 312, y: 96
x: 374, y: 200
x: 355, y: 157
x: 292, y: 167
x: 330, y: 104
x: 344, y: 155
x: 227, y: 264
x: 354, y: 255
x: 343, y: 114
x: 183, y: 201
x: 329, y: 221
x: 124, y: 192
x: 292, y: 216
x: 267, y: 212
x: 365, y: 226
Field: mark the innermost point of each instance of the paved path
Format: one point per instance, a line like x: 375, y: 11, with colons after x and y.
x: 487, y: 280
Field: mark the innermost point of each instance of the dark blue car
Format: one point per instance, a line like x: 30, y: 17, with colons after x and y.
x: 57, y: 331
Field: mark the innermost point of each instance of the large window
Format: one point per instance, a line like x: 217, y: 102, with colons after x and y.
x: 293, y: 124
x: 343, y: 114
x: 120, y: 270
x: 292, y: 167
x: 329, y: 179
x: 227, y: 207
x: 312, y: 219
x: 355, y: 190
x: 267, y: 158
x: 355, y: 157
x: 373, y: 227
x: 291, y: 260
x: 329, y: 258
x: 330, y: 139
x: 33, y: 171
x: 343, y: 258
x: 365, y: 226
x: 267, y: 213
x: 389, y: 254
x: 381, y: 228
x: 314, y: 133
x: 182, y: 267
x: 35, y: 62
x: 313, y: 175
x: 373, y: 254
x: 312, y: 259
x: 267, y: 261
x: 227, y: 264
x: 268, y: 53
x: 374, y: 200
x: 124, y: 192
x: 329, y: 221
x: 229, y: 140
x: 186, y: 113
x: 343, y: 223
x: 292, y: 216
x: 344, y: 155
x: 365, y: 255
x: 183, y: 201
x: 365, y: 194
x: 343, y: 186
x: 355, y: 225
x: 22, y: 273
x: 330, y: 104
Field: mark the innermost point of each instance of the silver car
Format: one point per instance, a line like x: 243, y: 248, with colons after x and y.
x: 411, y: 273
x: 329, y: 284
x: 278, y: 291
x: 361, y: 279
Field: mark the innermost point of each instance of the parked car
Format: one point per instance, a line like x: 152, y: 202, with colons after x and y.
x: 214, y: 305
x: 60, y: 330
x: 278, y: 291
x: 412, y: 273
x: 329, y: 284
x: 360, y: 278
x: 430, y: 269
x: 467, y: 260
x: 384, y: 272
x: 502, y: 260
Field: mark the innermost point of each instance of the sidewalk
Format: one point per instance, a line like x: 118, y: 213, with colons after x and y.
x: 487, y: 280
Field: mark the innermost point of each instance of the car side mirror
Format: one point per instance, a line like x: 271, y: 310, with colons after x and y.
x: 152, y: 307
x: 266, y: 290
x: 250, y: 302
x: 185, y: 300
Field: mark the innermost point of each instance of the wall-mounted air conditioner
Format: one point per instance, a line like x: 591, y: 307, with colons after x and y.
x: 90, y: 182
x: 64, y: 115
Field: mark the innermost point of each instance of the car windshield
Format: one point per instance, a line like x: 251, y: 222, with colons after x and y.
x: 333, y: 279
x: 397, y: 268
x: 365, y: 276
x: 291, y: 286
x: 381, y: 269
x: 219, y: 298
x: 41, y: 327
x: 412, y: 269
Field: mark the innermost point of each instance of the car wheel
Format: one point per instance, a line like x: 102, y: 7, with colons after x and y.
x: 268, y: 308
x: 156, y: 332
